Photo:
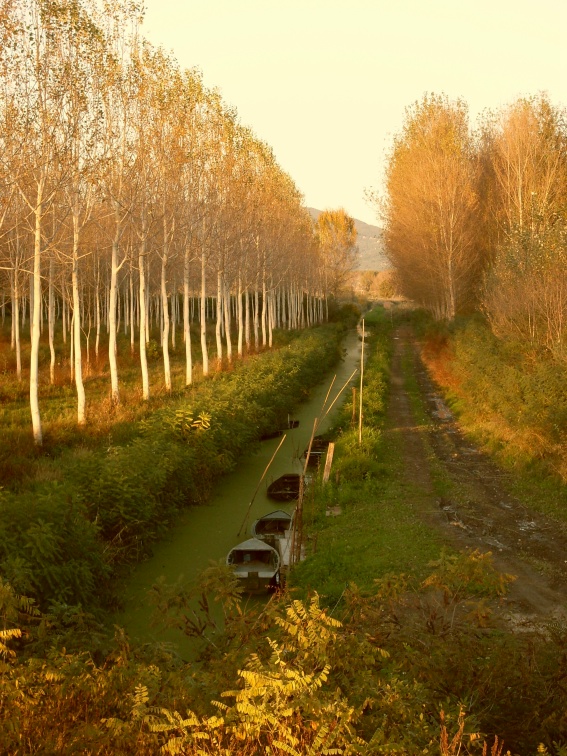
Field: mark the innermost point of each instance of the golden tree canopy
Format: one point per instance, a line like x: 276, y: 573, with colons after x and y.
x: 336, y: 234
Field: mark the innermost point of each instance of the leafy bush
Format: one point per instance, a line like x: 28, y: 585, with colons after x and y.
x: 50, y: 548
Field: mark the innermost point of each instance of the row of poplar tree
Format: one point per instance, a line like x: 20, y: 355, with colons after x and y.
x: 129, y: 191
x: 478, y: 217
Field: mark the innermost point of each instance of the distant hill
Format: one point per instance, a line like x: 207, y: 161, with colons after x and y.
x: 369, y: 240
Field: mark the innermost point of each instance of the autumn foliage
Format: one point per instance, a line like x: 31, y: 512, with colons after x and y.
x: 477, y: 219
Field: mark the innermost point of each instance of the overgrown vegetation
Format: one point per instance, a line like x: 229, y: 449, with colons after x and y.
x: 513, y: 401
x: 63, y: 535
x: 410, y: 667
x: 397, y: 652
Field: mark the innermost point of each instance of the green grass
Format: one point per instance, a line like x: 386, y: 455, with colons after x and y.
x: 106, y: 424
x: 510, y: 404
x: 377, y: 532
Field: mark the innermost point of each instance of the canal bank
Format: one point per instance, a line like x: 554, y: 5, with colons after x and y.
x: 206, y: 533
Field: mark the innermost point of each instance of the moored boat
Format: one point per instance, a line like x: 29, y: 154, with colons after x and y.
x: 285, y: 488
x: 271, y: 434
x: 256, y: 564
x: 273, y: 525
x: 318, y: 448
x: 277, y: 433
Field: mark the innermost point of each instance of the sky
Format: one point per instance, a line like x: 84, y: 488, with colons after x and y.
x: 326, y: 82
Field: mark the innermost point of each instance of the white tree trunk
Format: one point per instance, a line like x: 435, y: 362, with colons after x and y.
x: 165, y: 320
x: 31, y: 287
x: 34, y: 355
x: 264, y: 306
x: 118, y: 307
x: 256, y: 317
x: 226, y: 308
x: 13, y: 318
x: 271, y: 308
x: 51, y: 324
x: 132, y: 314
x: 173, y: 301
x: 204, y: 314
x: 16, y: 325
x: 97, y: 303
x: 64, y: 313
x: 143, y: 320
x: 76, y: 336
x: 115, y: 391
x: 72, y: 350
x: 186, y: 323
x: 239, y: 317
x: 219, y: 320
x: 247, y: 319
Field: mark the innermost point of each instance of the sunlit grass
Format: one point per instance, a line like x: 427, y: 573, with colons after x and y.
x: 376, y: 531
x: 107, y: 423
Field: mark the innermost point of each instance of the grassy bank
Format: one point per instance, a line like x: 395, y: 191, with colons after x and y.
x: 376, y: 532
x: 512, y: 402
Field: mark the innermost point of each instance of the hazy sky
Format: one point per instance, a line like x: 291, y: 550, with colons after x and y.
x: 325, y: 82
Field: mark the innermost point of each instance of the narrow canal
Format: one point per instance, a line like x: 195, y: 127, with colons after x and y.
x: 207, y: 533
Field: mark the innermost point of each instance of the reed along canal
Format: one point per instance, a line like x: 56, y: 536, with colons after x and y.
x: 206, y: 533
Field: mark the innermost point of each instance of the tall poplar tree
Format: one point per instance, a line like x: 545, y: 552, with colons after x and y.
x: 336, y: 235
x: 431, y: 208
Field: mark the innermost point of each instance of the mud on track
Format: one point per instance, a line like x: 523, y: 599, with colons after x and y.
x: 480, y: 514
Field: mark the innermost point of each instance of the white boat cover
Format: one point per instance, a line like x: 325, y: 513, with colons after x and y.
x: 253, y: 544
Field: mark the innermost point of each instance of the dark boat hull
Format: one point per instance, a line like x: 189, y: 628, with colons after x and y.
x: 272, y: 434
x: 318, y: 449
x: 285, y: 488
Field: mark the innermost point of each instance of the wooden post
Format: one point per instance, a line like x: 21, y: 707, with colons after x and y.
x: 259, y: 483
x: 297, y: 535
x: 353, y: 406
x: 328, y: 462
x: 361, y: 379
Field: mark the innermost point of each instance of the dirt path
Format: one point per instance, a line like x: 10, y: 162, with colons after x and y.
x: 480, y: 514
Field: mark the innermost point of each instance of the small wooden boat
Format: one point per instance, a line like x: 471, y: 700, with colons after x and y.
x: 285, y: 488
x: 256, y: 564
x: 270, y: 435
x: 277, y: 433
x: 273, y: 525
x: 276, y: 528
x: 318, y: 448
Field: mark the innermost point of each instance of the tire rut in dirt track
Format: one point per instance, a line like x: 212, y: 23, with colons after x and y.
x: 481, y: 513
